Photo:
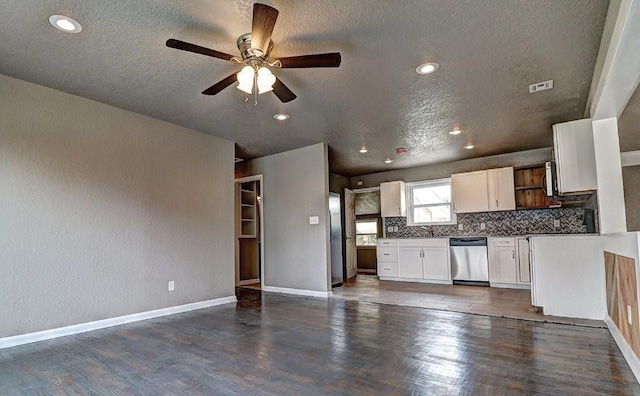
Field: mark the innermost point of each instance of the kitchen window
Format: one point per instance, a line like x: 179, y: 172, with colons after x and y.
x: 429, y: 203
x: 366, y: 232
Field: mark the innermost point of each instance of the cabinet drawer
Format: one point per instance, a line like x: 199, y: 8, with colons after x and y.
x: 388, y: 269
x: 387, y: 242
x: 387, y: 253
x: 504, y: 241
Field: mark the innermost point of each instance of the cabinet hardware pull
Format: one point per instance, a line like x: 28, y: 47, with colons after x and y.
x: 496, y: 203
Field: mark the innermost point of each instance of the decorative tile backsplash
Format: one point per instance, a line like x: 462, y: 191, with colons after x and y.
x: 509, y: 223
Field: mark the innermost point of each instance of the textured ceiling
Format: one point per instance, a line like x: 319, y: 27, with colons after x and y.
x: 489, y: 51
x: 629, y: 124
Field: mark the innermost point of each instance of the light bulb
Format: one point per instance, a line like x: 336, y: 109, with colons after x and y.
x: 245, y: 79
x: 265, y: 80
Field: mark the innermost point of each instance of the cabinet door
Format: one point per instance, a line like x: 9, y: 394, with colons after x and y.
x: 506, y: 258
x: 524, y: 266
x: 435, y: 263
x: 501, y: 189
x: 392, y: 199
x: 469, y: 192
x: 575, y: 156
x: 410, y: 262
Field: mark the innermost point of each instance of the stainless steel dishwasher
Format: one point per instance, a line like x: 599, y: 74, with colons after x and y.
x: 469, y: 263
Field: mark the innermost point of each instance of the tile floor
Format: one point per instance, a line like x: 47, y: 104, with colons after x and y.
x: 507, y: 303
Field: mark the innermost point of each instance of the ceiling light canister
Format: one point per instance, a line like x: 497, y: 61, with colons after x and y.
x: 455, y: 131
x: 64, y: 23
x: 281, y: 116
x: 427, y: 68
x: 363, y: 149
x: 388, y: 161
x: 469, y: 146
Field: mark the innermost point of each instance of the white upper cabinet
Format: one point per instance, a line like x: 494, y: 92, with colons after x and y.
x: 501, y: 189
x: 392, y: 199
x: 575, y: 157
x: 469, y: 192
x: 483, y: 191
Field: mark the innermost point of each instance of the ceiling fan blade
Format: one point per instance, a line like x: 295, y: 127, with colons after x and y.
x: 264, y: 19
x: 331, y: 59
x: 184, y: 46
x: 283, y: 92
x: 220, y: 85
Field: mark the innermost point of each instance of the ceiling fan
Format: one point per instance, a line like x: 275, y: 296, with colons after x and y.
x: 255, y: 49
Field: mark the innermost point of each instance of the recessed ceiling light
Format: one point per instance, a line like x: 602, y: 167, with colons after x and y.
x: 388, y: 161
x: 65, y: 23
x: 469, y: 146
x: 281, y: 116
x: 427, y: 68
x: 456, y: 130
x: 363, y: 149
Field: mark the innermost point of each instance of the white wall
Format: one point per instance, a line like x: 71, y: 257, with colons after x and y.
x: 101, y: 207
x: 296, y: 186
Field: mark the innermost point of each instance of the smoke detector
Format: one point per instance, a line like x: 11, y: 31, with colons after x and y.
x: 541, y: 86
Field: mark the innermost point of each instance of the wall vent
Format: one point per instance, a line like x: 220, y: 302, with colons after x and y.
x: 542, y: 86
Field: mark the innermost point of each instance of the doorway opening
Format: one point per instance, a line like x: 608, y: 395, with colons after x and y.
x: 249, y: 220
x: 363, y: 226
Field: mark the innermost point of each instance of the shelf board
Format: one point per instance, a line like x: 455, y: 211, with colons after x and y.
x: 529, y: 188
x: 248, y: 205
x: 247, y: 236
x: 248, y: 219
x: 248, y: 191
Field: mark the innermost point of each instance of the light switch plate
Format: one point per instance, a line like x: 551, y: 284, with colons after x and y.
x: 395, y: 228
x: 390, y: 229
x: 314, y: 220
x: 171, y: 286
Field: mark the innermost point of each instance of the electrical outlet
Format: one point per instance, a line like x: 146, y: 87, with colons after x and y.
x: 629, y: 315
x: 482, y: 226
x: 556, y: 224
x: 460, y: 227
x: 395, y: 228
x: 171, y: 286
x: 390, y: 229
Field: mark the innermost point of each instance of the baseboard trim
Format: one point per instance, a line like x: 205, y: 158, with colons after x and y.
x: 28, y: 338
x: 416, y: 280
x: 248, y: 282
x: 511, y: 286
x: 632, y: 360
x: 298, y: 292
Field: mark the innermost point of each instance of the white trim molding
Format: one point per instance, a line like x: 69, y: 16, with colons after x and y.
x: 28, y: 338
x: 625, y: 348
x: 630, y: 158
x: 298, y: 292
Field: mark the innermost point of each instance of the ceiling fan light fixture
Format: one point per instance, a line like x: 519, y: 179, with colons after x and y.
x: 265, y: 80
x: 427, y: 68
x: 245, y: 79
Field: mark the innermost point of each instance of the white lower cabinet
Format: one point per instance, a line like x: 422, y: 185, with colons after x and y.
x: 507, y: 267
x: 410, y: 262
x: 435, y: 263
x: 422, y: 260
x: 387, y: 254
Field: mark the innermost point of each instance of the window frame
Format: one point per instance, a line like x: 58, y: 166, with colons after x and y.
x: 409, y: 187
x: 363, y: 220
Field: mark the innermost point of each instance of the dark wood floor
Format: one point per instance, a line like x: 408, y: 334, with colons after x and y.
x: 302, y: 346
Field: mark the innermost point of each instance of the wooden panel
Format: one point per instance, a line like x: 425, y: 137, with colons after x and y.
x: 622, y: 297
x: 612, y: 286
x: 248, y: 250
